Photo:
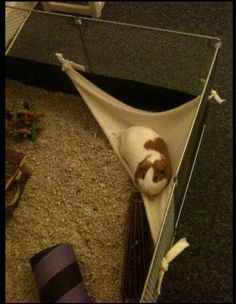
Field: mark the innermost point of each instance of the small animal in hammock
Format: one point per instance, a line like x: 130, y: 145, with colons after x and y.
x: 147, y: 156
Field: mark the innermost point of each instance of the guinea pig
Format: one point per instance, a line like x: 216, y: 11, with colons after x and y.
x: 146, y: 154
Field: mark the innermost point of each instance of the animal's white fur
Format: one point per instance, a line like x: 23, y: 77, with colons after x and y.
x: 132, y: 142
x: 148, y: 186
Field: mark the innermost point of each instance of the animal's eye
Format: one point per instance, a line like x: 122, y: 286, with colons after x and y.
x: 155, y: 177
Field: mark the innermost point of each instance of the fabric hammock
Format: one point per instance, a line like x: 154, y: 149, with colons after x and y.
x: 114, y: 116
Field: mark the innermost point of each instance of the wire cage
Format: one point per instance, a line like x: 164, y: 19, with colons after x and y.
x: 172, y: 60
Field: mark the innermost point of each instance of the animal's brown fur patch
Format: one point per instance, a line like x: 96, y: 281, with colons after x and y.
x: 157, y: 144
x: 162, y: 169
x: 142, y: 169
x: 149, y: 145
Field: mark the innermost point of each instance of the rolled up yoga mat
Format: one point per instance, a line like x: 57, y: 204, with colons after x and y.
x: 58, y: 276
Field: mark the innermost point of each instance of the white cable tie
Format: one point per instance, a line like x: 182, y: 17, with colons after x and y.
x: 66, y: 63
x: 60, y: 57
x: 171, y: 254
x: 77, y: 66
x: 214, y: 96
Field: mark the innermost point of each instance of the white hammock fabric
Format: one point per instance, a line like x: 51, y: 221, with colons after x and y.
x: 113, y: 116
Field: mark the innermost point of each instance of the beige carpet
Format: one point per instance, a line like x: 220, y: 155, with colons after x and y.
x: 78, y: 193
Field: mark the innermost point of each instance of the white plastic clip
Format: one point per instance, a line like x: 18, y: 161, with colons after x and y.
x: 171, y: 254
x: 214, y: 96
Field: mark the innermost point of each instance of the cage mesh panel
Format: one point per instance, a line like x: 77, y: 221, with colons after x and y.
x: 152, y: 56
x: 45, y: 34
x: 160, y: 58
x: 169, y: 229
x: 187, y: 162
x: 150, y: 294
x: 14, y: 20
x: 192, y: 146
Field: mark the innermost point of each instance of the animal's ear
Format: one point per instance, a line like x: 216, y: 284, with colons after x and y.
x: 142, y: 169
x: 159, y: 170
x: 163, y: 166
x: 159, y: 165
x: 144, y: 164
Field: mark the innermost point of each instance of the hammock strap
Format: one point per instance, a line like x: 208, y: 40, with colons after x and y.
x: 67, y: 63
x: 171, y: 254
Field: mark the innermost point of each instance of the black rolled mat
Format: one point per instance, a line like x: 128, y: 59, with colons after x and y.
x: 58, y: 276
